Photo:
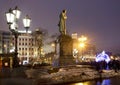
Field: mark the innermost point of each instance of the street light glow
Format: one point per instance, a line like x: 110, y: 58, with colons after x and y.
x: 82, y: 45
x: 17, y: 12
x: 26, y: 21
x: 82, y: 38
x: 10, y: 16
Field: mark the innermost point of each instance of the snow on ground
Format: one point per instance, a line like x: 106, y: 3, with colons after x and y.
x: 69, y: 74
x: 49, y: 75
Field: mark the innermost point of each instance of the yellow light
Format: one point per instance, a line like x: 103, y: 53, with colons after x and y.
x: 6, y: 63
x: 41, y: 49
x: 78, y: 84
x: 111, y: 57
x: 82, y: 38
x: 82, y: 45
x: 53, y: 45
x: 82, y: 83
x: 5, y: 45
x: 11, y: 44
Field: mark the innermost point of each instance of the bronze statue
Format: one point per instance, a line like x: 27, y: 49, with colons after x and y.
x: 62, y: 22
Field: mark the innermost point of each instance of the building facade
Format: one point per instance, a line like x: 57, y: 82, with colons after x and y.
x: 26, y: 48
x: 5, y: 45
x: 26, y: 45
x: 5, y: 41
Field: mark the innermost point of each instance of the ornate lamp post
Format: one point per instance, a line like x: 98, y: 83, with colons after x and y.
x: 12, y: 17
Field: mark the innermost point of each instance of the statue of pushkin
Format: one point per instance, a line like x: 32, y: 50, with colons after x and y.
x: 62, y: 22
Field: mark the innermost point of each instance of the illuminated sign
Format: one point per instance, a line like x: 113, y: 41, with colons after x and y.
x: 102, y: 57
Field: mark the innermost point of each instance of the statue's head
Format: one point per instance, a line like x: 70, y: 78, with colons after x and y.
x: 64, y: 11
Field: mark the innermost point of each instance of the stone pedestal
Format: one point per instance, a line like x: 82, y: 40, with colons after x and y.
x: 66, y: 61
x: 66, y: 50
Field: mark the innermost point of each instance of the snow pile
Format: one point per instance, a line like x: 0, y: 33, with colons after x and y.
x: 68, y: 74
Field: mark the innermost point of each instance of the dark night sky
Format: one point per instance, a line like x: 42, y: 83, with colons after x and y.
x: 99, y: 20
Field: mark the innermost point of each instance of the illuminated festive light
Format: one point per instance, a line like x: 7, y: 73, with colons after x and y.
x: 103, y: 57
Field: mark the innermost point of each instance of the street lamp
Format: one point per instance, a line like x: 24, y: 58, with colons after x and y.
x: 26, y: 22
x: 82, y: 40
x: 12, y: 17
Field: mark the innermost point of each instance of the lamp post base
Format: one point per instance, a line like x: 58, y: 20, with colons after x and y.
x: 15, y: 61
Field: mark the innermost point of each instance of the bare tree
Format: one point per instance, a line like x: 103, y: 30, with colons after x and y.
x: 39, y: 35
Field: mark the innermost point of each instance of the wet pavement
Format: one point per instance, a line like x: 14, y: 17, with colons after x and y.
x: 110, y: 81
x: 16, y: 81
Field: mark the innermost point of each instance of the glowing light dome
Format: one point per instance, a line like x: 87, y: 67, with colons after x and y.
x: 102, y: 57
